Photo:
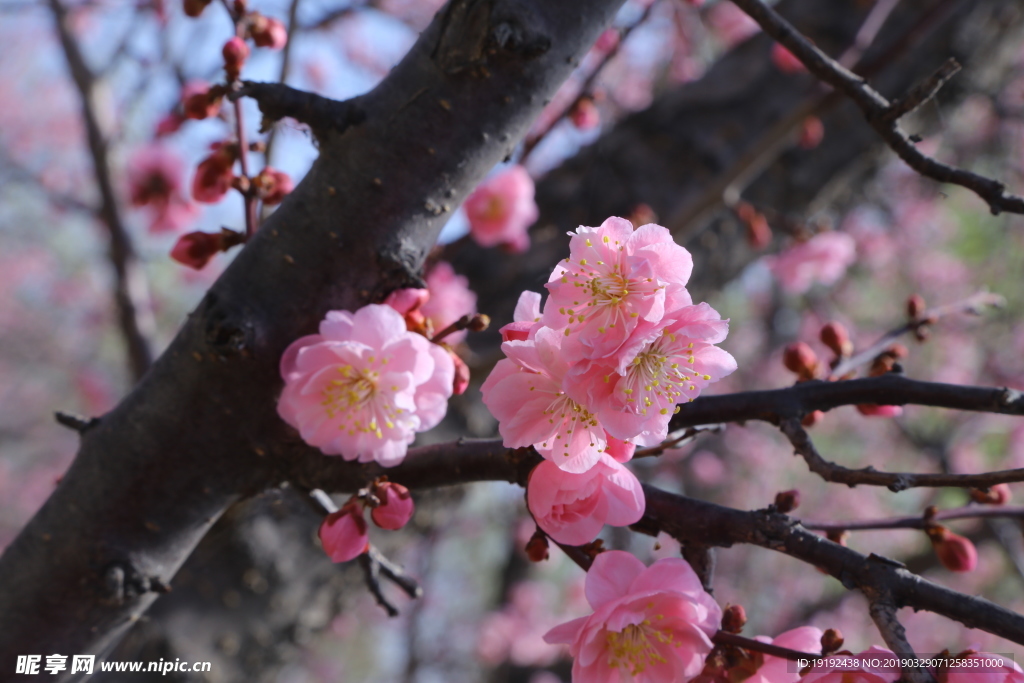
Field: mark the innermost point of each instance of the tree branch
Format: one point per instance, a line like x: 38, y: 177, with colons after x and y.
x: 322, y: 114
x: 883, y: 613
x: 879, y: 112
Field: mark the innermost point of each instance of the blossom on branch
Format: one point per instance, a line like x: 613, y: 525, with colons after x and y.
x: 344, y: 534
x: 823, y: 259
x: 572, y: 508
x: 502, y: 209
x: 649, y: 623
x: 155, y: 176
x: 364, y: 385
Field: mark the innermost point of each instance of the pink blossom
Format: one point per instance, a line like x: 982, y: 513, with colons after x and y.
x: 155, y: 176
x: 344, y: 534
x: 502, y: 209
x: 823, y: 259
x: 636, y: 397
x: 364, y: 385
x: 515, y: 633
x: 855, y: 669
x: 524, y: 392
x: 450, y: 299
x: 572, y: 508
x: 778, y: 670
x: 214, y: 175
x: 195, y: 249
x: 273, y: 185
x: 396, y: 507
x: 615, y: 286
x: 1009, y: 672
x: 649, y: 623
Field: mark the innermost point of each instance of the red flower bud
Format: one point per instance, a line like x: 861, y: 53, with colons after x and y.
x: 214, y: 175
x: 267, y: 32
x: 835, y: 337
x: 537, y: 547
x: 915, y: 306
x: 872, y: 410
x: 584, y: 114
x: 235, y: 52
x: 831, y: 641
x: 995, y: 495
x: 345, y: 534
x: 734, y: 618
x: 195, y: 249
x: 955, y: 552
x: 201, y: 102
x: 801, y: 359
x: 787, y: 501
x: 194, y: 8
x: 272, y: 185
x: 812, y: 132
x: 396, y: 507
x: 812, y: 418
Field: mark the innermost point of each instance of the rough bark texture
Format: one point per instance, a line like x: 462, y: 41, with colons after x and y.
x: 200, y: 431
x: 665, y: 156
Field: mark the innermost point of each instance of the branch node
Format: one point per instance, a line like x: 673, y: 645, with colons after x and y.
x: 78, y: 423
x: 322, y: 114
x: 921, y: 93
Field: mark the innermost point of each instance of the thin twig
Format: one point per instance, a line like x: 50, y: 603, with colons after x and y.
x: 894, y: 481
x: 688, y: 435
x: 973, y: 304
x: 282, y: 75
x: 877, y: 110
x: 919, y: 522
x: 725, y: 638
x: 883, y: 612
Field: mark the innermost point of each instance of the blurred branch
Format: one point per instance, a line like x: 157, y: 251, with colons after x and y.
x: 879, y: 112
x: 282, y: 76
x: 130, y: 293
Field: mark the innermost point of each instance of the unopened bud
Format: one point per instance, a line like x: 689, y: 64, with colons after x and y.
x: 267, y: 32
x: 479, y: 322
x: 537, y: 547
x: 872, y: 410
x: 915, y: 306
x: 194, y: 8
x: 272, y: 185
x: 787, y: 501
x: 812, y: 418
x: 584, y: 114
x: 801, y: 359
x: 831, y: 641
x: 834, y: 336
x: 838, y: 536
x: 995, y: 495
x: 344, y: 534
x: 734, y: 618
x: 955, y: 552
x: 812, y: 132
x: 235, y: 52
x: 396, y: 506
x: 897, y: 351
x: 201, y: 102
x: 921, y: 334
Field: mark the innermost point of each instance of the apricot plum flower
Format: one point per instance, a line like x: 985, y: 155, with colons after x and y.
x: 649, y: 623
x: 524, y: 392
x: 364, y: 385
x: 778, y: 670
x: 502, y: 209
x: 572, y: 508
x: 450, y: 299
x: 823, y: 259
x: 616, y: 285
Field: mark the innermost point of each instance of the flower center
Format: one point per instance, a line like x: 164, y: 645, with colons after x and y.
x: 633, y: 649
x: 569, y: 415
x: 356, y: 398
x: 660, y: 376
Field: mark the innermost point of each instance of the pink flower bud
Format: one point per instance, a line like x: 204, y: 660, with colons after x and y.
x: 537, y: 547
x: 214, y: 175
x: 235, y: 53
x: 461, y: 375
x: 272, y: 185
x: 801, y: 359
x: 995, y: 495
x: 734, y: 618
x: 787, y: 501
x: 831, y: 641
x: 872, y: 410
x: 396, y: 507
x: 344, y: 534
x: 955, y: 552
x: 197, y: 248
x: 834, y: 336
x: 194, y: 8
x: 267, y: 32
x: 584, y: 114
x: 812, y: 132
x: 915, y: 306
x: 407, y: 300
x: 785, y: 61
x: 812, y: 418
x: 607, y: 41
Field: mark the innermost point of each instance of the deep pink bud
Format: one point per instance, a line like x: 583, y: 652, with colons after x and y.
x: 537, y: 547
x: 831, y: 641
x: 345, y: 534
x: 194, y: 8
x: 812, y: 418
x: 787, y: 501
x: 396, y: 507
x: 272, y: 185
x: 835, y: 337
x: 734, y: 618
x: 200, y: 101
x: 801, y: 359
x: 196, y: 249
x: 584, y: 114
x: 871, y: 410
x: 915, y: 306
x: 785, y: 61
x: 214, y: 175
x: 812, y: 132
x: 235, y: 53
x: 955, y: 552
x: 267, y: 32
x: 461, y: 375
x: 995, y: 495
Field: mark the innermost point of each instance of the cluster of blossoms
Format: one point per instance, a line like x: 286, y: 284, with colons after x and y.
x: 618, y: 345
x: 655, y: 624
